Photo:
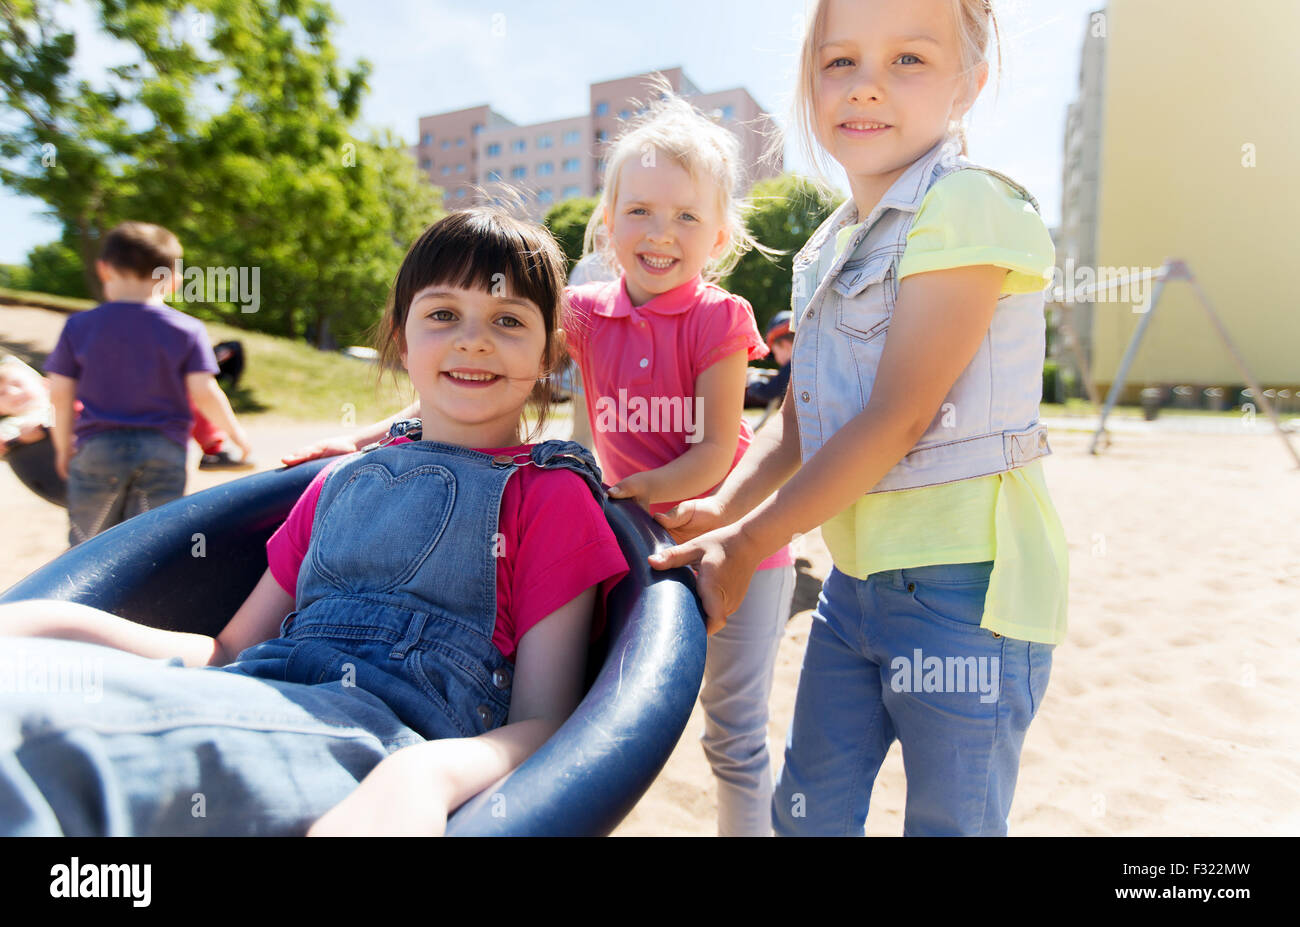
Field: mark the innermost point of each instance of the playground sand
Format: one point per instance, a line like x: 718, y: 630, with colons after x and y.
x: 1171, y: 707
x: 1171, y: 704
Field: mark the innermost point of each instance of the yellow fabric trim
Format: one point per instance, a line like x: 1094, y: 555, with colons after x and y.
x: 1006, y: 517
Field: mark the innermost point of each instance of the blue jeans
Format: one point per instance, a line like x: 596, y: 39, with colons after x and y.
x: 901, y: 655
x: 98, y: 742
x: 120, y: 473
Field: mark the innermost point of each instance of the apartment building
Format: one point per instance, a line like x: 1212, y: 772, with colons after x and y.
x: 1172, y: 152
x: 1076, y: 239
x: 564, y: 158
x: 447, y: 147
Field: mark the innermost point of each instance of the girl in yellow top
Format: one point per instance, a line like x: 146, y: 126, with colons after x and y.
x: 913, y: 411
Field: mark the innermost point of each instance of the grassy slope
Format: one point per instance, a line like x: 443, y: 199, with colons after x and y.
x: 290, y: 379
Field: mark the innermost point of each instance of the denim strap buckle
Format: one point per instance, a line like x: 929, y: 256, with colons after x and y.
x: 511, y: 460
x: 411, y: 428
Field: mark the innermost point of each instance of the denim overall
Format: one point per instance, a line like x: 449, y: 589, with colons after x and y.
x: 988, y: 422
x: 390, y: 645
x: 857, y: 693
x: 397, y: 594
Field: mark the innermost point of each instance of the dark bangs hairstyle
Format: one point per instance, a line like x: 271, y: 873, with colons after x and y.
x: 484, y: 248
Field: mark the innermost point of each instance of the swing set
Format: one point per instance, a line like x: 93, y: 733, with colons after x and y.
x: 1172, y: 269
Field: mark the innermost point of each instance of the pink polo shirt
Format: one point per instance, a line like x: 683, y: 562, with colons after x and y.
x: 640, y: 365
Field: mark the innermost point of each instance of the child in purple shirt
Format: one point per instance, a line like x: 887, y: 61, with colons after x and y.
x: 135, y: 364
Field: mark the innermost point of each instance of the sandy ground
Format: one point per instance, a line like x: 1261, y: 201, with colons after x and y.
x: 1171, y: 708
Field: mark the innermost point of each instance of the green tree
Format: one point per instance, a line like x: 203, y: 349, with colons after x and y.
x: 55, y: 268
x: 787, y: 210
x: 233, y: 129
x: 15, y: 276
x: 567, y: 221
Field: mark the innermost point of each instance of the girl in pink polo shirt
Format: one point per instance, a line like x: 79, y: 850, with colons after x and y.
x: 663, y: 353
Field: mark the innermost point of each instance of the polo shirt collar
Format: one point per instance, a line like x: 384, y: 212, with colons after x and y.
x: 676, y: 301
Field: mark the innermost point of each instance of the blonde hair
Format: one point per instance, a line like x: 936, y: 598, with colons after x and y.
x: 672, y: 127
x: 976, y: 24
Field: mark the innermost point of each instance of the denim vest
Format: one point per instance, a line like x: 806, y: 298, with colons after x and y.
x: 397, y: 594
x: 988, y: 422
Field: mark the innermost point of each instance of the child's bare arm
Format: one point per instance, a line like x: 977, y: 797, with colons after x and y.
x: 721, y: 391
x: 412, y: 791
x: 212, y: 402
x: 346, y: 444
x: 258, y: 619
x: 63, y: 396
x: 940, y: 320
x: 939, y: 323
x: 76, y: 622
x: 770, y: 461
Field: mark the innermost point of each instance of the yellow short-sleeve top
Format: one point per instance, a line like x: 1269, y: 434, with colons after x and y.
x: 969, y: 218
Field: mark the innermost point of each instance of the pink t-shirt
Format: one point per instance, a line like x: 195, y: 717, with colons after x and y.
x: 556, y: 540
x: 639, y: 367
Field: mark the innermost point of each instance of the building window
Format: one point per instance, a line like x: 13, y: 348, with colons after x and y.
x: 545, y: 169
x: 570, y: 165
x: 494, y: 150
x: 460, y: 143
x: 478, y: 127
x: 546, y: 197
x: 544, y: 141
x: 571, y: 192
x: 623, y: 114
x: 446, y: 143
x: 494, y: 176
x: 728, y: 111
x: 460, y: 168
x: 571, y: 137
x: 518, y: 146
x: 446, y: 169
x: 426, y: 138
x: 602, y: 109
x: 425, y: 164
x: 601, y: 135
x: 518, y: 173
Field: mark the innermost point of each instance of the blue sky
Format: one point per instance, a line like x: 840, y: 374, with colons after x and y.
x: 533, y: 61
